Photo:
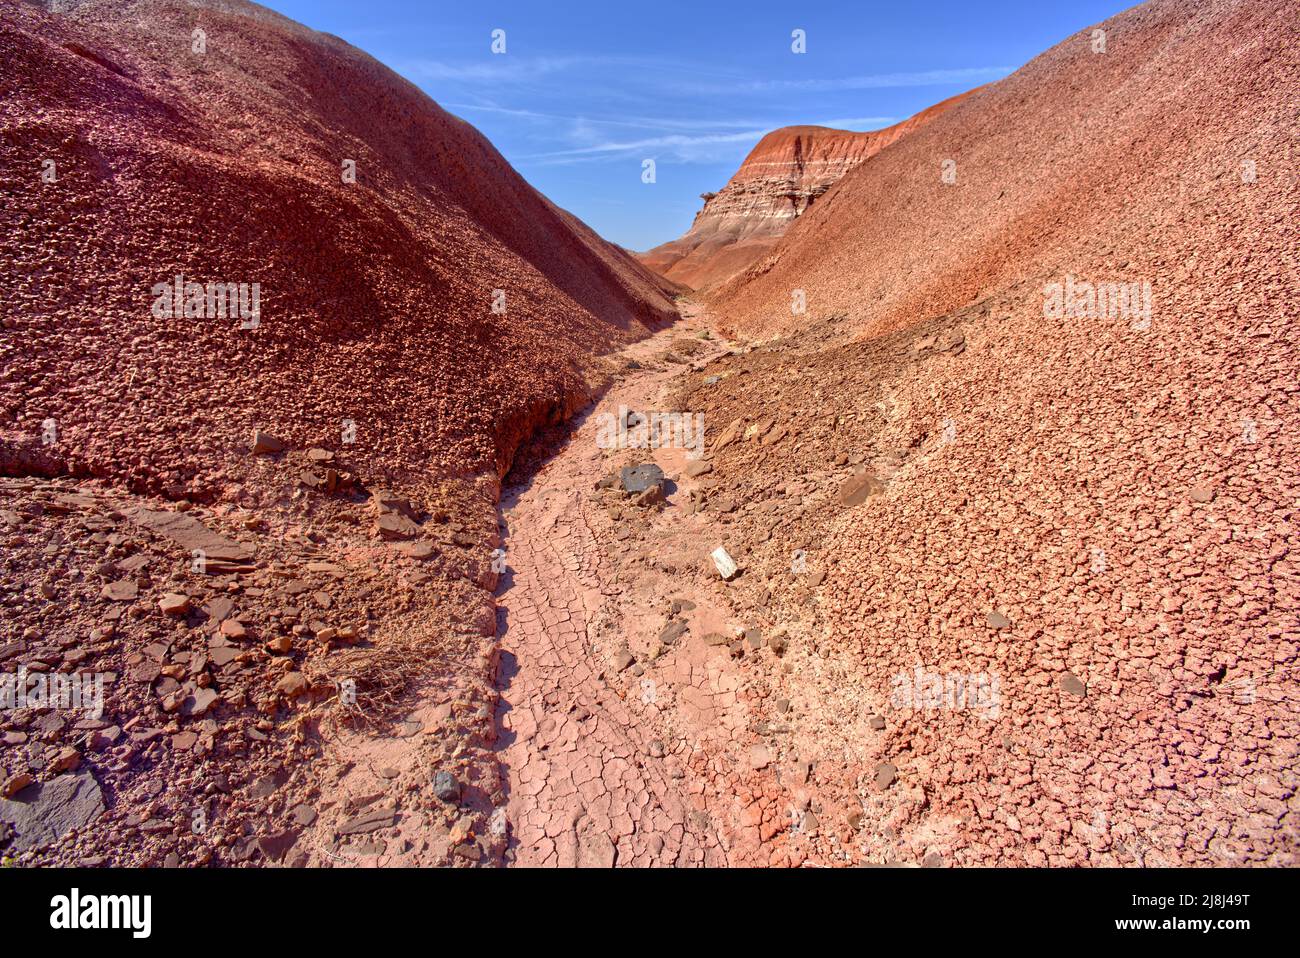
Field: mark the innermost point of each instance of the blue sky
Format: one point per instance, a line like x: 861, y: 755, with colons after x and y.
x: 588, y: 90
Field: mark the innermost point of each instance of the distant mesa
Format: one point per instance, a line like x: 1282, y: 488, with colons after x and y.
x: 782, y: 177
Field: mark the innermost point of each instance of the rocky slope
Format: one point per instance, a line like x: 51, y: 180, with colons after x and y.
x: 411, y: 311
x: 992, y: 475
x: 205, y: 165
x: 780, y: 179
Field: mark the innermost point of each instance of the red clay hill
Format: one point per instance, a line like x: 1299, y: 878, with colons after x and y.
x: 1038, y: 417
x: 365, y: 280
x: 227, y: 166
x: 782, y: 177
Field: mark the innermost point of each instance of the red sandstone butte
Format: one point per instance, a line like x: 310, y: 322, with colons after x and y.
x: 782, y: 177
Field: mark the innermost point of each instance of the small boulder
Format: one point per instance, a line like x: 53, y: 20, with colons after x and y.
x: 123, y: 590
x: 638, y: 479
x: 886, y: 773
x: 1071, y: 683
x: 726, y: 565
x: 445, y: 787
x: 730, y: 434
x: 264, y: 444
x: 672, y: 631
x: 383, y: 502
x: 293, y: 685
x: 43, y: 813
x: 395, y: 527
x: 68, y: 759
x: 105, y: 738
x: 233, y: 629
x: 199, y: 703
x: 174, y: 603
x: 15, y: 784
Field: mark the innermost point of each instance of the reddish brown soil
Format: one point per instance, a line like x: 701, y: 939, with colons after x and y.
x: 226, y: 166
x: 922, y: 472
x: 376, y: 309
x: 1098, y: 512
x: 1121, y: 165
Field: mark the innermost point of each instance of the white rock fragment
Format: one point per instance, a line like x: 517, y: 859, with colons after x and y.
x: 726, y: 565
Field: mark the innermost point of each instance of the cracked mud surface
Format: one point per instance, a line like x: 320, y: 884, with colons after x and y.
x: 594, y: 779
x: 653, y: 714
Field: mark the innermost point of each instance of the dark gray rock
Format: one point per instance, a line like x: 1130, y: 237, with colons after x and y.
x: 446, y: 787
x: 44, y: 812
x: 637, y: 479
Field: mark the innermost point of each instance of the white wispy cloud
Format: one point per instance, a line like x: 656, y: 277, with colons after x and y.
x: 873, y: 81
x: 630, y: 120
x: 634, y: 71
x: 529, y: 88
x: 675, y: 141
x: 497, y: 69
x: 698, y: 148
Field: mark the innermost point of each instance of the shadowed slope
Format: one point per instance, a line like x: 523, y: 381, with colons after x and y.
x: 225, y: 166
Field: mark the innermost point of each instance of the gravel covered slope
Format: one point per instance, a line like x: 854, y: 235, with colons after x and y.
x: 376, y: 296
x: 1096, y: 510
x: 254, y: 606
